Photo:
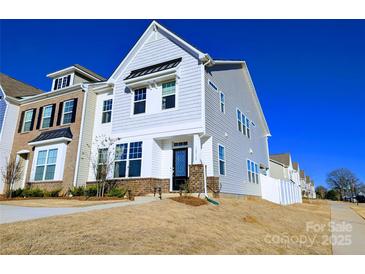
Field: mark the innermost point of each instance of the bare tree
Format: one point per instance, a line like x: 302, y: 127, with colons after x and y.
x: 11, y: 174
x: 344, y: 181
x: 101, y: 158
x: 321, y: 192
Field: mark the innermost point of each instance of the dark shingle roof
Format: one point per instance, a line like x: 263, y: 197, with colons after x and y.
x: 281, y: 158
x: 90, y: 72
x: 154, y: 68
x: 17, y: 89
x: 53, y: 134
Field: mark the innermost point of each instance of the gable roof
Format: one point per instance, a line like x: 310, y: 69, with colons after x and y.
x: 307, y: 179
x: 296, y: 166
x: 283, y: 158
x: 154, y: 26
x: 77, y: 68
x: 17, y: 89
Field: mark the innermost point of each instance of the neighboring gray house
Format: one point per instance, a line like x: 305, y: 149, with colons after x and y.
x: 175, y: 110
x: 10, y: 91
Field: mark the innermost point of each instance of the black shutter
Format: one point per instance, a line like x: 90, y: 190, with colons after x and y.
x: 55, y: 84
x: 21, y: 122
x: 33, y: 119
x: 74, y: 111
x: 39, y: 121
x: 59, y: 115
x: 68, y: 80
x: 52, y: 115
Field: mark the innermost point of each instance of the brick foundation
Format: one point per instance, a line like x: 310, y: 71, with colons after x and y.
x: 140, y: 186
x: 48, y: 186
x: 213, y: 184
x: 196, y: 178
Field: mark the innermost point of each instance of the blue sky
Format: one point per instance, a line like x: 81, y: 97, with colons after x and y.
x: 309, y: 74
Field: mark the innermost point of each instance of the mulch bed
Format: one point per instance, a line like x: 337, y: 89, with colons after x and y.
x: 189, y: 200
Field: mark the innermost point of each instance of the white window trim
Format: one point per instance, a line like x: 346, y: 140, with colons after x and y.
x: 102, y: 111
x: 224, y: 161
x: 72, y: 76
x: 244, y: 126
x: 210, y: 83
x: 132, y: 108
x: 254, y: 173
x: 127, y: 161
x: 63, y: 111
x: 24, y: 121
x: 60, y: 161
x: 176, y: 96
x: 51, y: 106
x: 45, y: 165
x: 237, y: 109
x: 224, y: 102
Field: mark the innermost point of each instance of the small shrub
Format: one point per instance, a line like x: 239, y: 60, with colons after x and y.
x: 116, y: 192
x: 90, y: 191
x: 17, y: 193
x: 33, y: 192
x: 78, y: 191
x: 53, y: 193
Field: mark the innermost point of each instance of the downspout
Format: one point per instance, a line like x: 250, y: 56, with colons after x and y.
x: 86, y: 88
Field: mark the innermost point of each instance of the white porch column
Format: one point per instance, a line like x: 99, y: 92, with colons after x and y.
x: 197, y: 148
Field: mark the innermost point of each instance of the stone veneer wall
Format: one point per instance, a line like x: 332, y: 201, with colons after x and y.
x: 196, y: 180
x: 213, y: 184
x: 141, y: 186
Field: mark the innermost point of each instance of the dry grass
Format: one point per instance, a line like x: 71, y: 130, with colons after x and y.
x: 359, y: 210
x: 56, y: 202
x: 237, y: 226
x: 189, y: 200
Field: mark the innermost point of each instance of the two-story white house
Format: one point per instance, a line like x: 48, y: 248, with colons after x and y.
x: 176, y: 113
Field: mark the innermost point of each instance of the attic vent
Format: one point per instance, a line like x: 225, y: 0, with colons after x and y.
x: 213, y: 85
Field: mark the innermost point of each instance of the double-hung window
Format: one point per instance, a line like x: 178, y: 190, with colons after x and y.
x: 107, y: 111
x: 68, y: 107
x: 46, y: 117
x: 28, y: 118
x: 102, y: 164
x: 248, y: 128
x: 120, y: 164
x: 46, y: 165
x: 168, y: 95
x: 244, y: 128
x: 135, y: 159
x: 239, y: 120
x: 128, y: 162
x: 222, y: 160
x: 139, y: 101
x: 252, y: 172
x: 222, y: 102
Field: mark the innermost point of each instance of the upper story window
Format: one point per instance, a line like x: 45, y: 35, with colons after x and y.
x: 222, y: 160
x: 248, y: 127
x: 62, y: 82
x: 252, y: 172
x: 46, y: 165
x: 244, y: 129
x: 107, y: 111
x: 139, y: 101
x: 28, y: 120
x: 239, y: 120
x: 68, y: 107
x: 212, y: 85
x: 47, y: 115
x: 222, y: 102
x: 168, y: 95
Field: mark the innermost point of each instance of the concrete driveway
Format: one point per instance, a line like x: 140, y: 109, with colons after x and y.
x: 10, y: 214
x: 348, y: 230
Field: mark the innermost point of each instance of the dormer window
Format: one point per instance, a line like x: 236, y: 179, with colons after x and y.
x: 62, y: 82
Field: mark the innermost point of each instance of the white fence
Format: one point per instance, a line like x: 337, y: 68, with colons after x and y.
x: 280, y: 191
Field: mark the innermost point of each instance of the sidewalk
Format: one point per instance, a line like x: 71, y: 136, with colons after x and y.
x: 351, y: 241
x: 10, y: 214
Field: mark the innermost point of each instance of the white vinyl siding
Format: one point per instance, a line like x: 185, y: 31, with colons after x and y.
x: 188, y: 110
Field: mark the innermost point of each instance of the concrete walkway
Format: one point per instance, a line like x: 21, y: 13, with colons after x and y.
x: 10, y: 214
x: 348, y: 230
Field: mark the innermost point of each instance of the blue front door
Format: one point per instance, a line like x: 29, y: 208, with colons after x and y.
x: 180, y: 164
